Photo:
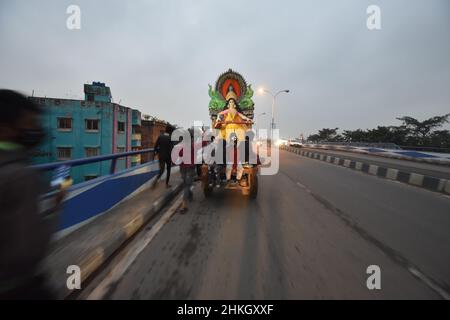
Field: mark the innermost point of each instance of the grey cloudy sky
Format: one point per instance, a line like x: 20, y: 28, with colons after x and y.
x: 160, y: 55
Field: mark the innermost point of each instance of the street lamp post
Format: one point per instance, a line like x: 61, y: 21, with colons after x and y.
x: 274, y: 97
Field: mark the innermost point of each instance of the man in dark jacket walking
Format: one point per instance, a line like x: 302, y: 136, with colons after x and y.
x: 163, y: 149
x: 25, y: 226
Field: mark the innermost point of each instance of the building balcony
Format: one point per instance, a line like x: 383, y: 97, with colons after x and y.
x: 136, y: 136
x: 136, y: 118
x: 136, y: 143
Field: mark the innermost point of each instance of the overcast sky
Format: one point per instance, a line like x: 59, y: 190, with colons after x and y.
x: 160, y: 55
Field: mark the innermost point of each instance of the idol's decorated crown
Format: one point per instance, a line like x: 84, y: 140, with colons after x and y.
x: 231, y: 94
x: 231, y: 85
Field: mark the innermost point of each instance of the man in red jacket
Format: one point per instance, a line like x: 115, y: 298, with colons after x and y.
x: 188, y: 167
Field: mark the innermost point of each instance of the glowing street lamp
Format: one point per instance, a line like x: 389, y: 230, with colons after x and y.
x: 274, y: 97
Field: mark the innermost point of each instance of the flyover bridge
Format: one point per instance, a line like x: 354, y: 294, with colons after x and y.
x: 312, y: 232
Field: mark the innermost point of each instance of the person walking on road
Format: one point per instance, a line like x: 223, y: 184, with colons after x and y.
x: 187, y: 170
x: 163, y: 149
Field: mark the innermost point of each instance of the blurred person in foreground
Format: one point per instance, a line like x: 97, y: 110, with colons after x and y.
x: 25, y: 225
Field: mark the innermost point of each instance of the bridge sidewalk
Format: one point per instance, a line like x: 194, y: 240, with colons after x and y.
x: 91, y: 245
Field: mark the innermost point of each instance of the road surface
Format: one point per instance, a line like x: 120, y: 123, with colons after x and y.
x: 311, y: 234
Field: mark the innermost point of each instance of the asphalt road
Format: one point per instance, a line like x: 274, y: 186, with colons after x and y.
x: 311, y: 233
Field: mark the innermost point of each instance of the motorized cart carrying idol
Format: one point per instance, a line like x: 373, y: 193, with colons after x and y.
x: 231, y: 111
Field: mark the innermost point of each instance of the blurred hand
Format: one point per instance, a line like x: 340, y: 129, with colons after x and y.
x: 60, y: 196
x: 62, y: 193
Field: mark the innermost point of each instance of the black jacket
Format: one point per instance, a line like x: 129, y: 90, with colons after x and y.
x: 163, y: 147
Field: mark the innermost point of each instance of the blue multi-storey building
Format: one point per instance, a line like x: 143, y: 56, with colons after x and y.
x: 85, y: 128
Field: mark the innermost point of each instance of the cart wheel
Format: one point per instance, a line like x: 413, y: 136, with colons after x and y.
x: 253, y: 185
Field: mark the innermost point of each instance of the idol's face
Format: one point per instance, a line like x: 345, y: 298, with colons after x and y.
x: 231, y: 104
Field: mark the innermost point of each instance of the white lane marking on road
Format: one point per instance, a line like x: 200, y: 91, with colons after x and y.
x: 119, y: 269
x: 303, y: 187
x: 422, y: 277
x: 300, y: 185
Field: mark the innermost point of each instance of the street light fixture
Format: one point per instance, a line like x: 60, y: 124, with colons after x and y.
x: 274, y: 97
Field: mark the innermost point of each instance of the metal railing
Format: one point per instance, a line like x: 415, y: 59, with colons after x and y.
x: 427, y: 149
x: 386, y: 145
x: 383, y: 145
x: 82, y: 161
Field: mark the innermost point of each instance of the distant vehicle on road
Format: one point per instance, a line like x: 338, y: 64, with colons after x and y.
x: 295, y: 143
x: 281, y: 142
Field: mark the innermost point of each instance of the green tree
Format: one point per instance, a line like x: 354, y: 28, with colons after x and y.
x: 440, y: 139
x: 422, y: 130
x: 411, y: 132
x: 327, y: 134
x: 313, y: 137
x: 357, y: 135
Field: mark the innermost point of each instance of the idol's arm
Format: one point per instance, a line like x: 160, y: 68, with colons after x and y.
x: 244, y: 117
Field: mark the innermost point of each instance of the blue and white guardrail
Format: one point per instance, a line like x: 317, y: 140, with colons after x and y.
x: 88, y: 200
x: 431, y: 157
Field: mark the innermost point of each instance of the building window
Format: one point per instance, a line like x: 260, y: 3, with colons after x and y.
x: 90, y: 177
x: 64, y: 153
x: 92, y: 152
x: 64, y: 124
x: 120, y: 149
x: 120, y: 126
x: 92, y: 124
